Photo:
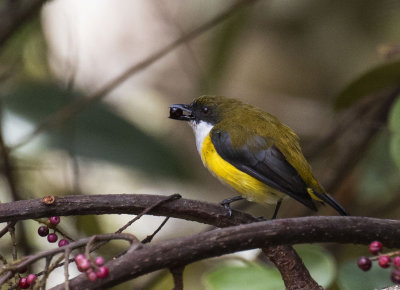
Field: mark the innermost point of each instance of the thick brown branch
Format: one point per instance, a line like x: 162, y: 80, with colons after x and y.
x: 192, y: 210
x: 179, y: 252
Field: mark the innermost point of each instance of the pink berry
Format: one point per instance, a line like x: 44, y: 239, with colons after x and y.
x: 99, y: 261
x: 102, y: 272
x: 384, y: 261
x: 375, y: 247
x: 79, y: 257
x: 63, y: 242
x: 83, y: 265
x: 52, y: 238
x: 91, y: 275
x: 43, y: 231
x: 396, y: 261
x: 364, y: 263
x: 31, y: 278
x: 23, y: 283
x: 395, y: 276
x: 54, y: 220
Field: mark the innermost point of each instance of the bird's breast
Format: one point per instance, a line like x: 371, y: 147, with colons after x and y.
x: 251, y: 188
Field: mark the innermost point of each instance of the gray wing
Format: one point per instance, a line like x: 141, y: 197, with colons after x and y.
x: 265, y: 163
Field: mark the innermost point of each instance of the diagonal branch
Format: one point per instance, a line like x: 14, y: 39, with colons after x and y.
x: 80, y: 104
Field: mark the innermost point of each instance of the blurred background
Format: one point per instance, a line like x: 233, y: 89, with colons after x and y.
x: 291, y: 58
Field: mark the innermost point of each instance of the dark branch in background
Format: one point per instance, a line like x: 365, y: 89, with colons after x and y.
x: 81, y: 104
x: 14, y: 14
x: 177, y: 274
x: 370, y: 114
x: 11, y: 180
x: 181, y: 251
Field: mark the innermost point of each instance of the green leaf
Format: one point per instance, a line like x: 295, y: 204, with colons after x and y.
x: 249, y: 277
x: 351, y: 277
x: 259, y: 277
x: 97, y: 132
x: 319, y: 262
x: 394, y: 125
x: 381, y: 77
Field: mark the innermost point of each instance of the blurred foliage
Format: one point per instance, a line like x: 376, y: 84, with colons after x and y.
x: 394, y: 126
x: 253, y: 276
x: 97, y: 133
x: 385, y: 76
x: 351, y: 277
x: 224, y: 41
x: 379, y: 177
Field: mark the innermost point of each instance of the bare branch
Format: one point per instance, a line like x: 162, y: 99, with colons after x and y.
x: 181, y: 251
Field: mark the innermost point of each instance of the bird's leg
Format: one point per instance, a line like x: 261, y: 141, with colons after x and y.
x: 227, y: 203
x: 278, y: 205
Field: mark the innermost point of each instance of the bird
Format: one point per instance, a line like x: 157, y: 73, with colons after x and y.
x: 251, y: 151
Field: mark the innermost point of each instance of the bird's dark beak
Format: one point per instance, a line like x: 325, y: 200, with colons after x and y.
x: 177, y: 112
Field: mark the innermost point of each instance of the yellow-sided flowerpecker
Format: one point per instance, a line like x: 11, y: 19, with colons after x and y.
x: 253, y: 152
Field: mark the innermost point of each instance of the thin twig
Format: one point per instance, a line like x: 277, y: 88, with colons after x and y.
x: 5, y: 229
x: 149, y: 238
x: 147, y: 210
x: 66, y: 265
x: 11, y: 230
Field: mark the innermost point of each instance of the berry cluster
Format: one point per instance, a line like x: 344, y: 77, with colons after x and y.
x: 92, y: 271
x: 26, y: 282
x: 384, y: 261
x: 43, y: 231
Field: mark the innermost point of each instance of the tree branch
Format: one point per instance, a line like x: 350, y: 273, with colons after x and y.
x: 202, y: 212
x: 181, y: 251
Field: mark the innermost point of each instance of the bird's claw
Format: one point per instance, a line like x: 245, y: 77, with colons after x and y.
x: 227, y: 207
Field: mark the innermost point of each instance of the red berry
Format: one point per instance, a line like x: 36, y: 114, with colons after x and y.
x: 395, y: 276
x: 54, y: 220
x: 396, y: 261
x: 364, y: 263
x: 31, y: 278
x: 83, y: 265
x: 43, y: 231
x: 52, y: 238
x: 99, y: 261
x: 102, y: 272
x: 63, y: 242
x: 91, y: 275
x: 384, y: 261
x: 375, y: 247
x: 23, y: 283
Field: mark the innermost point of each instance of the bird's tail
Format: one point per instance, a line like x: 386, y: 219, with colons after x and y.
x: 332, y: 202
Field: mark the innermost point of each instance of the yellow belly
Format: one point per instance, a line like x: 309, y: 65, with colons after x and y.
x: 249, y: 187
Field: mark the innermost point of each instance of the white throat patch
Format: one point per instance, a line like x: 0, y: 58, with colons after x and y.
x: 201, y: 130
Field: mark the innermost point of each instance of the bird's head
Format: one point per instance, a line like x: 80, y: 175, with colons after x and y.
x: 209, y: 109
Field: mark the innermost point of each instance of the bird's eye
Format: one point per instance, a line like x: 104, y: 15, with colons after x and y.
x: 205, y: 110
